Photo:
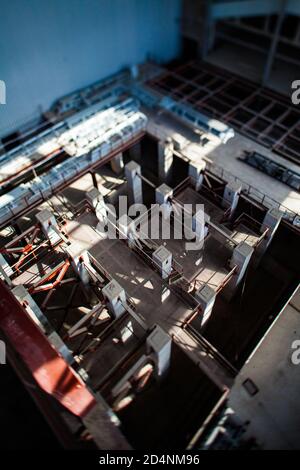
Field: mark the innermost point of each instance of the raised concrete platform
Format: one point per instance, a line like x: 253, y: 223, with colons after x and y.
x: 273, y: 412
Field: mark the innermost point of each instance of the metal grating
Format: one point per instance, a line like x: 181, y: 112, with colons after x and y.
x: 259, y: 113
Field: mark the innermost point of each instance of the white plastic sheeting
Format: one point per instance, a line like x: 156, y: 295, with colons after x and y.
x: 92, y: 135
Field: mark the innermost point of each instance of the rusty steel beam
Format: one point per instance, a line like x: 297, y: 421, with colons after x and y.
x: 59, y: 270
x: 53, y: 375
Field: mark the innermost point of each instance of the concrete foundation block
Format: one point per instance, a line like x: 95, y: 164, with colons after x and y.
x: 196, y: 172
x: 240, y: 260
x: 159, y: 345
x: 127, y: 229
x: 48, y: 224
x: 163, y: 193
x: 134, y: 182
x: 163, y: 261
x: 165, y: 160
x: 231, y: 196
x: 206, y: 297
x: 116, y: 298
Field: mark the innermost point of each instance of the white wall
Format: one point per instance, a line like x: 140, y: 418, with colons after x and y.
x: 49, y: 48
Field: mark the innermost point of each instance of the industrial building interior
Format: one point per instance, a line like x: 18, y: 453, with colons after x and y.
x: 134, y: 342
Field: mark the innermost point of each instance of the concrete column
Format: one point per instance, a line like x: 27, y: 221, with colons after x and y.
x: 159, y: 345
x: 165, y: 160
x: 5, y: 270
x: 200, y: 223
x: 199, y: 231
x: 93, y: 196
x: 23, y: 296
x: 38, y: 317
x: 163, y: 261
x: 117, y: 164
x: 206, y: 297
x: 116, y: 298
x: 240, y: 259
x: 163, y: 194
x: 196, y: 172
x: 271, y: 222
x: 134, y: 182
x: 96, y: 201
x: 231, y: 196
x: 127, y: 227
x: 78, y: 260
x: 48, y: 223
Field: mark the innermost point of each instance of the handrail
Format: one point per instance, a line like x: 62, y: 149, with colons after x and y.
x: 248, y: 189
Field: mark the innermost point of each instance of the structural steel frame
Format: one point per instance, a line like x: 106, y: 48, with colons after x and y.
x: 259, y: 113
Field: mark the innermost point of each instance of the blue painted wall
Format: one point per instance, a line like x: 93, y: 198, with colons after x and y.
x: 49, y: 48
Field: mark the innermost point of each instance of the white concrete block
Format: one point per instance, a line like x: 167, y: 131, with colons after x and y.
x: 206, y: 297
x: 134, y: 182
x: 163, y: 193
x: 116, y: 297
x: 159, y: 344
x: 231, y: 195
x: 162, y: 258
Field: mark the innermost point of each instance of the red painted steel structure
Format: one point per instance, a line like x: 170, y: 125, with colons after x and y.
x: 29, y: 237
x: 59, y: 271
x: 49, y: 369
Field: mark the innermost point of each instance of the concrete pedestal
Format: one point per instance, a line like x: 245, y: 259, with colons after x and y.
x: 206, y: 297
x: 163, y: 193
x: 159, y: 345
x: 231, y: 196
x: 127, y: 229
x: 117, y: 164
x: 196, y: 172
x: 116, y: 298
x: 240, y: 259
x: 5, y: 270
x: 163, y: 261
x: 47, y: 221
x: 96, y: 201
x: 79, y: 259
x: 271, y: 222
x: 38, y: 317
x: 134, y: 182
x: 200, y: 222
x: 165, y: 160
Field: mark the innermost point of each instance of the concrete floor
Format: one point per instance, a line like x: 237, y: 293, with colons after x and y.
x: 227, y: 155
x: 273, y: 412
x: 154, y: 302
